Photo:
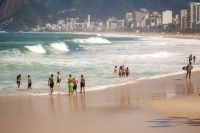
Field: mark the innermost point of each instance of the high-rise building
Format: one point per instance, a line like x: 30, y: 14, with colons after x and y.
x: 184, y: 18
x: 167, y: 17
x: 140, y: 17
x: 128, y: 20
x: 194, y: 14
x: 88, y: 22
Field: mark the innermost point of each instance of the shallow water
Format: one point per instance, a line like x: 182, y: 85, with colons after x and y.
x: 41, y: 54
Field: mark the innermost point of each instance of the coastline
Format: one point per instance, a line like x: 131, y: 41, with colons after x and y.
x: 195, y: 36
x: 126, y: 105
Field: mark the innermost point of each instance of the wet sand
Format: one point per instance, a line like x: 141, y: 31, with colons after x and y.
x: 122, y: 109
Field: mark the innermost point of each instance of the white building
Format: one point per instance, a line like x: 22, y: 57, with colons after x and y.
x: 167, y: 17
x: 88, y: 22
x: 60, y: 22
x: 194, y: 9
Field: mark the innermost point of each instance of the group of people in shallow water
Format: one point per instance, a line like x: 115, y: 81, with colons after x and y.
x: 72, y: 83
x: 122, y: 71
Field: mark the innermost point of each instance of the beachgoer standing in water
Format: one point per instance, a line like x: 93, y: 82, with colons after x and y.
x: 70, y: 84
x: 75, y: 85
x: 59, y: 79
x: 189, y: 70
x: 127, y: 72
x: 51, y: 84
x: 18, y: 80
x: 29, y: 82
x: 190, y: 57
x: 82, y: 84
x: 115, y: 69
x: 194, y: 59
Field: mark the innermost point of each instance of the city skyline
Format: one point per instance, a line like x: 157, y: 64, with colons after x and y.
x: 141, y: 20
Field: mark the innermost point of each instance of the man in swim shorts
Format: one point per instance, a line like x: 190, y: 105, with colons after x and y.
x: 51, y: 84
x: 70, y: 84
x: 82, y: 84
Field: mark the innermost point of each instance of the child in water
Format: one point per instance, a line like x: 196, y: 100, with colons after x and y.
x: 29, y: 82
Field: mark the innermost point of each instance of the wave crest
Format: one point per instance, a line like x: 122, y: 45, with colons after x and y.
x: 36, y: 49
x: 61, y: 46
x: 92, y: 40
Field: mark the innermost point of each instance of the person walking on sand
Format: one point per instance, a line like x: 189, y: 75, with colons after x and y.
x: 59, y: 79
x: 29, y: 82
x: 70, y: 84
x: 18, y: 80
x: 189, y: 70
x: 51, y: 83
x: 82, y: 84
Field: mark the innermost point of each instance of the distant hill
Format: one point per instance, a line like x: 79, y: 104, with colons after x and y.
x: 29, y: 15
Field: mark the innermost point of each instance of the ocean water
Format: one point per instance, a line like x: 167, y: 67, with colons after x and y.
x: 42, y: 54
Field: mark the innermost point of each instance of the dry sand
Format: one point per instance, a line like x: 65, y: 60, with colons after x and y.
x: 121, y: 109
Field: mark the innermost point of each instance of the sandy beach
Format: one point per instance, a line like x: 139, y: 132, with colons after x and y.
x: 169, y: 104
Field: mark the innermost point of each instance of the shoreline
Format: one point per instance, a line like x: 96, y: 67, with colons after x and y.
x: 63, y: 91
x: 95, y: 111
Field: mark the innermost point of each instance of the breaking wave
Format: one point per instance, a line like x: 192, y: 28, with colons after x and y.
x: 36, y: 49
x: 61, y: 46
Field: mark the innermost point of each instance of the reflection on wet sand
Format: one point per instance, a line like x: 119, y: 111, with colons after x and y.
x: 52, y: 104
x: 73, y: 103
x: 83, y: 102
x: 125, y: 97
x: 190, y: 89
